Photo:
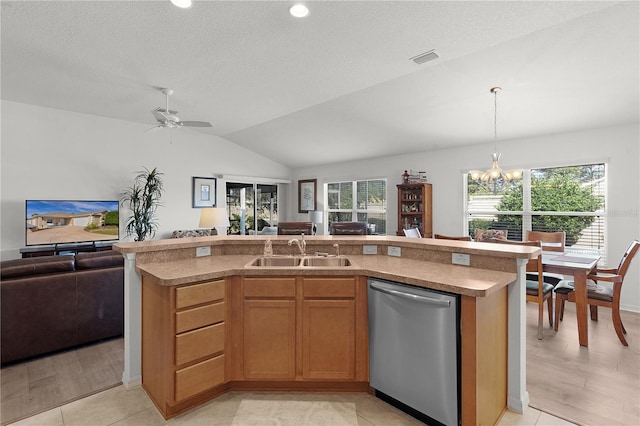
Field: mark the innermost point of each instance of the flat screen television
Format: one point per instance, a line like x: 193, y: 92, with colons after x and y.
x: 51, y: 222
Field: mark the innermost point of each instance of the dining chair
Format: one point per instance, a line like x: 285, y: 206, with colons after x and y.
x: 412, y: 233
x: 600, y: 295
x: 294, y: 228
x: 449, y: 237
x: 349, y: 228
x: 538, y: 291
x: 551, y: 241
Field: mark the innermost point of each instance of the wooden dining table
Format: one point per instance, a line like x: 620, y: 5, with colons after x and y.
x: 579, y: 266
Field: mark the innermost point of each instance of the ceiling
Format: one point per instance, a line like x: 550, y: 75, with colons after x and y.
x: 339, y: 84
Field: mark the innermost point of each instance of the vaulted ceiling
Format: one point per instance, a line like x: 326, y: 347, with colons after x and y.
x: 338, y: 84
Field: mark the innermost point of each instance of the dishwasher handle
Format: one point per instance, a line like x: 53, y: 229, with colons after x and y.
x: 414, y: 297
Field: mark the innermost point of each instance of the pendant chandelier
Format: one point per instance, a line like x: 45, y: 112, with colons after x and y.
x: 495, y: 171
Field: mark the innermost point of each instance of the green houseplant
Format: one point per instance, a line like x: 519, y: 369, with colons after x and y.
x: 143, y: 199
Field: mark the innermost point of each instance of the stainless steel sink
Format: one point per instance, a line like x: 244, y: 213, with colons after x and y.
x: 270, y: 261
x: 326, y: 261
x: 296, y: 262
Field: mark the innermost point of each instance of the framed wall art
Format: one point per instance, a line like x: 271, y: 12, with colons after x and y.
x: 307, y: 190
x: 204, y: 192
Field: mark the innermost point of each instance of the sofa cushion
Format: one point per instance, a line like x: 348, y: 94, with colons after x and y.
x: 99, y: 259
x: 37, y: 266
x: 39, y: 315
x: 186, y: 233
x: 486, y: 235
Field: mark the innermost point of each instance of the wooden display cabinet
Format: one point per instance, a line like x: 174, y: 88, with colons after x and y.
x: 415, y: 208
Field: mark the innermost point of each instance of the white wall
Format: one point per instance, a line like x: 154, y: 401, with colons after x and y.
x: 617, y: 146
x: 49, y: 153
x: 53, y: 154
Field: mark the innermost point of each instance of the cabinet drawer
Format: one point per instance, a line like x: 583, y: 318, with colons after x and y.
x: 270, y: 287
x: 329, y: 287
x: 199, y: 343
x: 199, y: 293
x: 199, y: 317
x: 199, y: 377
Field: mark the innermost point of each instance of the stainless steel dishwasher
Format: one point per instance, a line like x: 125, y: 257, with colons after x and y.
x: 414, y: 343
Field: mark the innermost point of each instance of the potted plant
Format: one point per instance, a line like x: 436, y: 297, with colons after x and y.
x: 143, y: 199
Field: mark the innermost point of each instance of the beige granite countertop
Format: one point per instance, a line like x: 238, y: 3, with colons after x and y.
x: 452, y: 278
x: 425, y: 262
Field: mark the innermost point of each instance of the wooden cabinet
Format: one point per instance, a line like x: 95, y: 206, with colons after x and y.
x: 269, y: 328
x: 183, y: 343
x: 414, y: 208
x: 328, y: 328
x: 304, y: 329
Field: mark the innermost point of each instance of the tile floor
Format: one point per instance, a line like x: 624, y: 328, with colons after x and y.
x: 121, y: 407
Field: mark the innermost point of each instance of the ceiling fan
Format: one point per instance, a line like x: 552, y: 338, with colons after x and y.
x: 169, y: 118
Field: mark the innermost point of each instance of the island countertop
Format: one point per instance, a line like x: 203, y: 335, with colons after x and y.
x: 424, y: 263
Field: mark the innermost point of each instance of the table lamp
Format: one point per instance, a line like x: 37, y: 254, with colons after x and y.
x: 315, y: 217
x: 214, y: 218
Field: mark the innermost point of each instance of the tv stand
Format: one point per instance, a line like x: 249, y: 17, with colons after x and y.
x: 58, y: 249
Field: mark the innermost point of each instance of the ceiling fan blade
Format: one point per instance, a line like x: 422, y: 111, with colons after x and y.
x: 196, y: 124
x: 154, y: 128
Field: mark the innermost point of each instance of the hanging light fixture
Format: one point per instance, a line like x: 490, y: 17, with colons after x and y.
x: 495, y: 171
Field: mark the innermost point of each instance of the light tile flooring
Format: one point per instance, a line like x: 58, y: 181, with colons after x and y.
x: 119, y: 407
x: 599, y: 385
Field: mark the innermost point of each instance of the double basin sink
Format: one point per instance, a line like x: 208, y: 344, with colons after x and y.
x: 300, y: 262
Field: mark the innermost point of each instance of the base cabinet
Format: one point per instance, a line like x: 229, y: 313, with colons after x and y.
x: 309, y: 329
x: 328, y: 329
x: 183, y: 343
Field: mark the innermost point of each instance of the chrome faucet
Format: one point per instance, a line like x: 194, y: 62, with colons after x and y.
x: 337, y: 249
x: 301, y: 243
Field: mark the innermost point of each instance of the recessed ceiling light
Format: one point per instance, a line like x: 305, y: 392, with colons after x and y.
x: 299, y: 10
x: 181, y: 3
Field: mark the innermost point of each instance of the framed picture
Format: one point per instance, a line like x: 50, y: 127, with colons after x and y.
x: 307, y: 195
x: 204, y: 192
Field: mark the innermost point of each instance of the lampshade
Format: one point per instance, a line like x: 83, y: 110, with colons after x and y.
x: 315, y: 216
x: 214, y: 217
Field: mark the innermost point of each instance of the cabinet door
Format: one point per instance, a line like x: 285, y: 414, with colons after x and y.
x: 328, y: 339
x: 269, y: 339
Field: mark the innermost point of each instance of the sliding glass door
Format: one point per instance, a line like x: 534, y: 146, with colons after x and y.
x: 251, y: 207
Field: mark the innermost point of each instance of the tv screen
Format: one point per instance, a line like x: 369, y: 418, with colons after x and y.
x: 71, y: 221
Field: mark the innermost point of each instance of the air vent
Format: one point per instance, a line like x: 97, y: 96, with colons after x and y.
x: 425, y: 57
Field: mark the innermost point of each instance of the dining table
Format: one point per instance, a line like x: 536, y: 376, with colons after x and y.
x: 578, y: 265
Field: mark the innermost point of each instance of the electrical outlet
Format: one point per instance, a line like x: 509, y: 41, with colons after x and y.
x: 203, y: 251
x: 393, y: 251
x: 369, y: 249
x: 460, y: 259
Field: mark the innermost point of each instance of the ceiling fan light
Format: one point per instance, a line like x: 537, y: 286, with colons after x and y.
x: 184, y: 4
x: 299, y: 10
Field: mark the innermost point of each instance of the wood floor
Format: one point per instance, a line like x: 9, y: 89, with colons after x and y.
x: 34, y: 386
x: 598, y: 385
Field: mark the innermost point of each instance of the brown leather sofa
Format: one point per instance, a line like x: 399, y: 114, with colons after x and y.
x: 51, y: 303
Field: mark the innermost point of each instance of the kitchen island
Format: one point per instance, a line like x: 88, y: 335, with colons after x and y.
x: 175, y: 287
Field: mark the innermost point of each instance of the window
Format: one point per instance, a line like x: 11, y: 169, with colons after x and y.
x: 358, y: 201
x: 570, y: 199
